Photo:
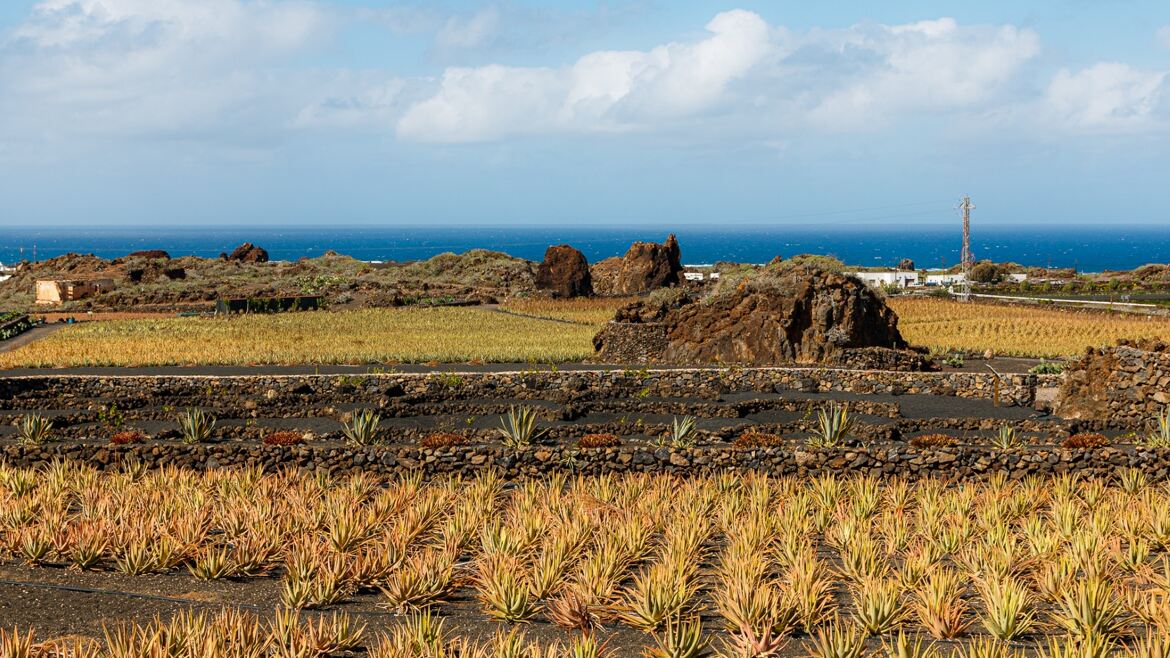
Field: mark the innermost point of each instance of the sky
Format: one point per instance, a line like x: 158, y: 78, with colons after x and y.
x: 191, y: 113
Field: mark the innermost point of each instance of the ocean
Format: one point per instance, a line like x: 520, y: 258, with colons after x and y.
x: 1089, y: 249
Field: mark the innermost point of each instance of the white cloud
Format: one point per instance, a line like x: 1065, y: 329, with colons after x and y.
x: 602, y: 90
x: 837, y: 79
x: 140, y: 67
x: 1109, y: 97
x: 468, y: 32
x: 925, y: 66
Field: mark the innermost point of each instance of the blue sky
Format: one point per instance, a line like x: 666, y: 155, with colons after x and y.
x: 192, y: 113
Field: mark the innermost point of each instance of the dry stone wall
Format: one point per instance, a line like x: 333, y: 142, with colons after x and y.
x: 968, y: 462
x: 556, y: 386
x: 1128, y: 381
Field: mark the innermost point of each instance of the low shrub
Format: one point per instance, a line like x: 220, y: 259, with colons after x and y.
x: 1047, y: 368
x: 1085, y: 440
x: 934, y: 441
x: 599, y: 441
x: 127, y: 437
x: 751, y: 440
x: 442, y: 440
x: 284, y: 438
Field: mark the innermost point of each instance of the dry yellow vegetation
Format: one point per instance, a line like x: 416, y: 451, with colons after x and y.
x: 364, y: 336
x: 595, y: 311
x: 942, y: 324
x: 453, y: 335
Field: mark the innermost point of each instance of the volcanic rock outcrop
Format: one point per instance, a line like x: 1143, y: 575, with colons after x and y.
x: 564, y: 272
x: 248, y: 253
x: 646, y: 266
x: 794, y: 317
x: 1130, y: 380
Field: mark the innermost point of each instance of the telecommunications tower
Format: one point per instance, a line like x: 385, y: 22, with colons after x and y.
x: 967, y: 259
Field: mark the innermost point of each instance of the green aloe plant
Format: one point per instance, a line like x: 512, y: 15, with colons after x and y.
x: 833, y: 424
x: 362, y: 428
x: 518, y: 427
x: 1159, y: 436
x: 1007, y: 439
x: 196, y: 425
x: 682, y: 432
x: 34, y: 430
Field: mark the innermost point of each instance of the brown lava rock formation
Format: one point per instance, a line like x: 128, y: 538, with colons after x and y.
x: 646, y: 266
x: 799, y: 316
x: 248, y: 253
x: 564, y: 272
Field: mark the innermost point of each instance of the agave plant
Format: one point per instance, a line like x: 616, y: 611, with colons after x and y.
x: 682, y: 432
x: 196, y: 425
x: 1007, y: 439
x: 1159, y: 436
x: 833, y: 424
x: 362, y: 428
x: 683, y: 638
x: 34, y: 430
x: 518, y: 427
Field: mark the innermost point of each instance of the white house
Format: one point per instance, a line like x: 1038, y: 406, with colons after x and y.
x: 1017, y: 278
x: 6, y: 272
x: 895, y: 278
x: 945, y: 279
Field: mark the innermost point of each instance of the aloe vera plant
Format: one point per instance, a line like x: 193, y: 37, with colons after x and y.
x: 833, y: 424
x: 362, y: 428
x: 1007, y: 439
x: 1160, y: 434
x: 196, y: 425
x: 34, y: 430
x: 518, y: 427
x: 682, y: 432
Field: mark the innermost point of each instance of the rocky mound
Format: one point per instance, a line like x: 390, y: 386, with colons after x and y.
x: 150, y: 253
x: 564, y: 272
x: 792, y: 317
x: 248, y: 253
x: 646, y: 266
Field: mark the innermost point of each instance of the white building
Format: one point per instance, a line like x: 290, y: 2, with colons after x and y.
x: 6, y: 272
x: 889, y: 279
x: 945, y: 279
x: 1017, y: 278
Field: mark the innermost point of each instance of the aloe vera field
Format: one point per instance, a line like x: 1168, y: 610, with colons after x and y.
x: 242, y: 563
x: 522, y: 331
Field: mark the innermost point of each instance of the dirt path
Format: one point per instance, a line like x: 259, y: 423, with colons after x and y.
x: 34, y: 334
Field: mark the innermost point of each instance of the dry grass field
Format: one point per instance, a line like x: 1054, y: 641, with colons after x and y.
x: 454, y: 335
x: 364, y: 336
x: 1030, y: 331
x: 610, y: 565
x: 596, y: 311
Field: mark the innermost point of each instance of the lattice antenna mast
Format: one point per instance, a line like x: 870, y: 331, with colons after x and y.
x: 967, y: 259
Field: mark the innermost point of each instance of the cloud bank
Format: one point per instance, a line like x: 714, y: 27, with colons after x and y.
x: 245, y: 71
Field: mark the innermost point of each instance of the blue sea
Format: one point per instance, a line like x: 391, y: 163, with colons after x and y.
x: 1085, y: 248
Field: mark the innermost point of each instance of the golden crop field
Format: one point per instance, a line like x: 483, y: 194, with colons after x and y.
x: 1031, y: 331
x: 411, y: 335
x: 453, y: 335
x: 602, y: 566
x: 595, y: 311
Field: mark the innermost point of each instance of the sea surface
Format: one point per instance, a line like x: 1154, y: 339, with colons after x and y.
x: 1087, y: 249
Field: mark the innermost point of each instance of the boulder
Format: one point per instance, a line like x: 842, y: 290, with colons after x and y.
x: 150, y: 253
x: 604, y: 275
x: 564, y: 272
x: 248, y: 253
x: 649, y: 266
x: 794, y: 317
